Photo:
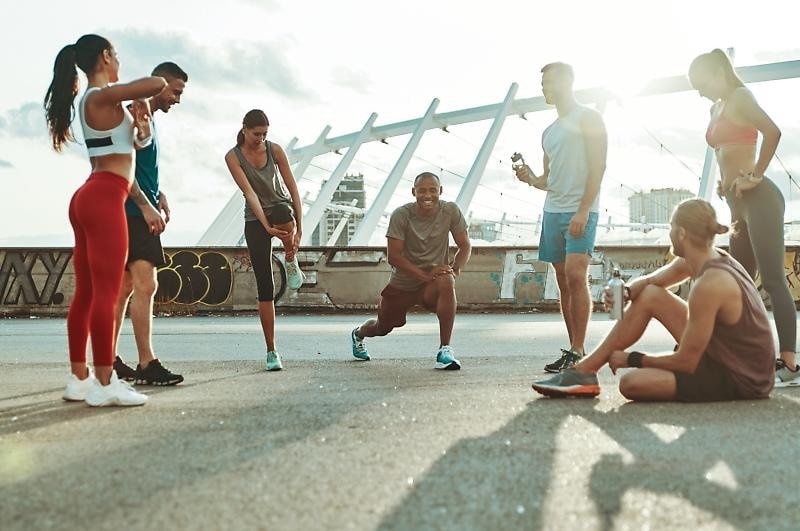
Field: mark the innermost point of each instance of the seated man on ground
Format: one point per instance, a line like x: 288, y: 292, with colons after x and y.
x: 418, y: 249
x: 725, y: 346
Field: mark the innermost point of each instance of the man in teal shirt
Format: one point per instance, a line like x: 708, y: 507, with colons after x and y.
x: 145, y: 253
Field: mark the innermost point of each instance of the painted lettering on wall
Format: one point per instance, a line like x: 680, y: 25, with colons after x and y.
x: 18, y: 276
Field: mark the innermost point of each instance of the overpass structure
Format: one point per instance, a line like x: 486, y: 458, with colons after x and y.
x: 227, y: 227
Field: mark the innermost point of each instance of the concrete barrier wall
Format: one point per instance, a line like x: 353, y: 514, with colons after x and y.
x: 219, y: 280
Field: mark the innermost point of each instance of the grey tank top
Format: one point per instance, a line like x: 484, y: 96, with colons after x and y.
x: 565, y: 147
x: 265, y: 181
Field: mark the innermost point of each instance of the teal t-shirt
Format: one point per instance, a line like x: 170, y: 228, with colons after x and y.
x: 146, y: 174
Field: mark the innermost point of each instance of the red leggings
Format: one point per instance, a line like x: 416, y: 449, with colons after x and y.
x: 97, y: 214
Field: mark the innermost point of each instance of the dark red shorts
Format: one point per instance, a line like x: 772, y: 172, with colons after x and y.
x: 395, y: 303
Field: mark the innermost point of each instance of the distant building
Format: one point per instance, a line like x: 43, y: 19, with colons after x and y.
x: 656, y: 206
x: 351, y: 188
x: 484, y: 230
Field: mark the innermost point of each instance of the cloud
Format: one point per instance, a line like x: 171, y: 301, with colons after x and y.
x: 230, y: 65
x: 356, y: 81
x: 26, y: 121
x: 5, y: 164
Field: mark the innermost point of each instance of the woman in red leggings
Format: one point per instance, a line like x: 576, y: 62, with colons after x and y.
x: 97, y: 209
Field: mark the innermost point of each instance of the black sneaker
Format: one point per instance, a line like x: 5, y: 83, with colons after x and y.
x: 124, y: 372
x: 156, y: 374
x: 568, y: 359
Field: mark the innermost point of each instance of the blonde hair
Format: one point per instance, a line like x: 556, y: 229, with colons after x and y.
x: 716, y: 58
x: 698, y: 218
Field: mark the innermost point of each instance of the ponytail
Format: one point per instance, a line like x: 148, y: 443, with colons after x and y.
x: 240, y: 138
x: 60, y: 98
x: 716, y: 58
x: 59, y: 101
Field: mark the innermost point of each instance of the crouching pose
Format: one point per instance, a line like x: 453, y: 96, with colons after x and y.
x: 725, y: 346
x: 418, y: 244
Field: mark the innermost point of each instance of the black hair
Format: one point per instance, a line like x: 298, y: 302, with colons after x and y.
x: 425, y: 174
x: 170, y: 70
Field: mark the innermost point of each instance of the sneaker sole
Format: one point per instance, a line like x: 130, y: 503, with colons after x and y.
x: 454, y: 366
x: 159, y: 384
x: 274, y: 369
x: 552, y: 370
x: 580, y: 391
x: 110, y: 403
x: 790, y: 383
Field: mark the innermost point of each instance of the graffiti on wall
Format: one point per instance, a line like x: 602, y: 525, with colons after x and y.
x: 190, y: 277
x: 18, y: 276
x: 523, y: 266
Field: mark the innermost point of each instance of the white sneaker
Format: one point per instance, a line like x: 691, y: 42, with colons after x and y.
x: 77, y: 389
x: 116, y: 393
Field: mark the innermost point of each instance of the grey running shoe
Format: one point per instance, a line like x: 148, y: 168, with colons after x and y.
x: 569, y: 382
x: 784, y: 376
x: 568, y: 359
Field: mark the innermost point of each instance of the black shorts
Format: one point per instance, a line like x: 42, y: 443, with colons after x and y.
x: 711, y: 382
x: 395, y: 303
x: 142, y: 244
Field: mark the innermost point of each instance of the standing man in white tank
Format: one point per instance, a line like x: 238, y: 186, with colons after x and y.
x: 575, y: 148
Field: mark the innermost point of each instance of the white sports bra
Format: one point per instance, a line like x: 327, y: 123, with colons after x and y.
x: 117, y: 140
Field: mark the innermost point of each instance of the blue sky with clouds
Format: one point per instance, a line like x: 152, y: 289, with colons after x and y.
x: 310, y: 64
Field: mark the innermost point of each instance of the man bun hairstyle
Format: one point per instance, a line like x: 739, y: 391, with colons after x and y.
x: 698, y: 218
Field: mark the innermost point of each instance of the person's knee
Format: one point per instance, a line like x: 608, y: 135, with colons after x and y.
x: 772, y: 283
x: 445, y: 284
x: 630, y: 386
x: 577, y: 279
x: 650, y: 294
x: 145, y: 286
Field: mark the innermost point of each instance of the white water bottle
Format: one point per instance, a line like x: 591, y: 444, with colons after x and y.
x: 617, y: 287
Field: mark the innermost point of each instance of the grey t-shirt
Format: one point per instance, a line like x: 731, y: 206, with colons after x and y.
x: 426, y: 238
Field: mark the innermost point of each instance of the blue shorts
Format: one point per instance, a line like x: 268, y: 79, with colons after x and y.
x: 555, y: 242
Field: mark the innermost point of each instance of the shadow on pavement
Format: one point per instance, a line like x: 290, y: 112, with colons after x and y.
x: 544, y: 469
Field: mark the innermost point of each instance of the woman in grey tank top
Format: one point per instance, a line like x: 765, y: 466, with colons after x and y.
x: 272, y: 208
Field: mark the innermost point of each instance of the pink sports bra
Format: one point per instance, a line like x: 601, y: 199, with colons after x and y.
x: 723, y: 132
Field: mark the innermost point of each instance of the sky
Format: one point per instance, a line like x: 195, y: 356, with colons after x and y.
x: 312, y: 64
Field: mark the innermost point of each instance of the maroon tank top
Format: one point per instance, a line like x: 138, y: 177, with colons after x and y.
x: 746, y: 348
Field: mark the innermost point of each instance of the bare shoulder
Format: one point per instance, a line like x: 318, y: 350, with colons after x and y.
x: 277, y: 150
x: 592, y: 120
x: 741, y: 97
x: 715, y: 283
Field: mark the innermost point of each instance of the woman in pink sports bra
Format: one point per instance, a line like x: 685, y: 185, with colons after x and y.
x: 756, y: 203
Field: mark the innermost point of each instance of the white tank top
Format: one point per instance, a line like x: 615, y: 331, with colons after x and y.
x: 118, y: 140
x: 569, y: 170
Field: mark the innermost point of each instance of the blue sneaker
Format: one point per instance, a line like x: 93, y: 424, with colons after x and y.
x: 274, y: 361
x: 359, y: 348
x: 294, y: 277
x: 445, y: 359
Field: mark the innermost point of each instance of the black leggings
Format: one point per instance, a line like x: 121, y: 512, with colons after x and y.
x: 259, y: 244
x: 758, y: 246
